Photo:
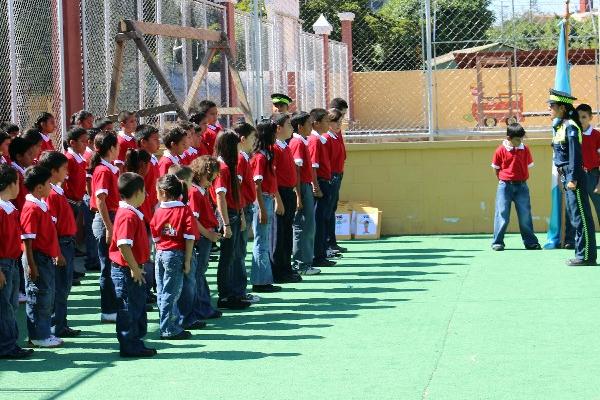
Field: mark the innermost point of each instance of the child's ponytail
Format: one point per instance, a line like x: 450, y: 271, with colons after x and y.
x: 134, y: 158
x: 103, y: 143
x: 172, y: 186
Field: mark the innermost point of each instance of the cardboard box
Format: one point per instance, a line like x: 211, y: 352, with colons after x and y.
x: 343, y: 221
x: 367, y: 223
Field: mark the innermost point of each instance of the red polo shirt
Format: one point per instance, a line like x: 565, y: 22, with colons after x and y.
x: 126, y: 142
x: 201, y: 208
x: 223, y: 185
x: 74, y: 185
x: 320, y: 155
x: 285, y: 168
x: 151, y: 200
x: 590, y: 148
x: 262, y: 170
x: 166, y: 161
x: 512, y: 163
x: 105, y: 180
x: 210, y: 137
x: 37, y: 225
x: 248, y: 191
x: 62, y: 212
x: 47, y: 144
x: 172, y: 224
x: 87, y: 156
x: 10, y: 231
x: 299, y: 147
x: 20, y: 199
x: 338, y: 153
x: 130, y: 229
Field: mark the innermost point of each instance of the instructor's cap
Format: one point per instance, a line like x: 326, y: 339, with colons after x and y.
x: 279, y: 98
x: 557, y: 96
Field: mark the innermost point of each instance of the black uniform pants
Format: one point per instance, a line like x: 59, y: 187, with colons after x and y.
x: 283, y: 235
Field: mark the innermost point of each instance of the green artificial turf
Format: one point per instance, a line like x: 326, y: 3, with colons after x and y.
x: 424, y: 317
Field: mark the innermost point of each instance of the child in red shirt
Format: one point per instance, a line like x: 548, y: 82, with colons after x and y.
x: 129, y: 251
x: 104, y: 203
x: 128, y: 122
x: 60, y: 210
x: 41, y: 257
x: 338, y: 157
x: 512, y: 161
x: 4, y: 143
x: 23, y: 154
x: 213, y: 128
x: 174, y: 231
x: 46, y: 124
x: 10, y: 252
x: 175, y: 141
x: 590, y: 151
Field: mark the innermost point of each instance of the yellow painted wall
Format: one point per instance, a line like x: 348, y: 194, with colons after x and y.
x: 439, y: 187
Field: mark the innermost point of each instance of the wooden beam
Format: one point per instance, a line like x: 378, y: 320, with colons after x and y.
x: 239, y: 87
x: 177, y: 31
x: 200, y: 74
x: 148, y: 112
x: 231, y: 111
x: 115, y: 79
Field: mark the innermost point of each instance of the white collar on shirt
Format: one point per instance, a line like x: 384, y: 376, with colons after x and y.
x: 88, y: 150
x: 323, y: 139
x: 7, y: 206
x: 508, y: 146
x: 245, y: 155
x: 171, y: 204
x: 588, y: 131
x: 112, y: 168
x: 57, y: 189
x: 281, y: 143
x: 297, y: 136
x: 125, y: 136
x: 40, y: 203
x: 332, y: 134
x: 172, y: 157
x: 45, y: 137
x: 2, y: 160
x: 200, y: 189
x: 220, y: 159
x: 123, y: 204
x: 153, y: 159
x: 77, y: 157
x: 264, y: 153
x: 18, y: 168
x: 192, y: 150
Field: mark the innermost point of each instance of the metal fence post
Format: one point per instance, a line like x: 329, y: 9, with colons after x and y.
x: 13, y: 61
x: 258, y: 71
x: 429, y: 72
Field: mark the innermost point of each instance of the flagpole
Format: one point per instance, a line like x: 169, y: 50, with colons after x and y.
x: 563, y: 206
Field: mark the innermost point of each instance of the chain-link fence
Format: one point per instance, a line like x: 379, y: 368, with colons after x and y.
x: 31, y: 80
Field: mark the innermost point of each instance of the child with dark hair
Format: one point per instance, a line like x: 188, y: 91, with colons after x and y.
x: 10, y: 252
x: 22, y: 153
x: 175, y: 140
x: 188, y: 127
x: 590, y: 152
x: 10, y: 128
x: 200, y: 120
x: 83, y: 119
x: 46, y: 125
x: 213, y: 128
x: 174, y: 231
x: 338, y: 158
x: 34, y: 136
x: 89, y: 149
x: 105, y: 202
x: 5, y: 140
x: 129, y: 251
x: 265, y: 181
x: 511, y: 162
x: 61, y: 212
x: 147, y: 140
x: 91, y: 247
x: 339, y: 104
x: 205, y: 170
x: 128, y: 123
x: 196, y: 146
x: 304, y: 219
x: 42, y: 254
x: 104, y: 124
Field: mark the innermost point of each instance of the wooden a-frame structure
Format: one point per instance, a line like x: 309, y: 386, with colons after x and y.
x: 135, y: 30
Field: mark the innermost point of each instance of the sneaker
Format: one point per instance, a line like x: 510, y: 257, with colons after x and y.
x: 292, y: 278
x: 108, y: 318
x: 251, y: 298
x: 196, y: 325
x: 266, y: 288
x: 339, y: 248
x: 143, y: 353
x: 536, y: 246
x: 232, y: 303
x: 69, y: 333
x: 324, y: 263
x: 183, y: 335
x: 498, y: 247
x: 576, y: 262
x: 333, y: 254
x: 49, y: 343
x: 310, y: 271
x: 22, y: 298
x: 216, y: 314
x: 17, y: 353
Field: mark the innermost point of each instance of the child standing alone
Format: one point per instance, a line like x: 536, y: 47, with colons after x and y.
x: 512, y: 161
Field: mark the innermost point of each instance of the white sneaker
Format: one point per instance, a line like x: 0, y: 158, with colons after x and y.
x: 310, y: 271
x: 108, y: 318
x: 251, y: 298
x: 48, y: 343
x: 22, y: 298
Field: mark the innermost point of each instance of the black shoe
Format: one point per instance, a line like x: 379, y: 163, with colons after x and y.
x: 76, y: 282
x: 149, y: 307
x: 93, y: 267
x: 334, y: 255
x: 78, y: 275
x: 215, y: 315
x: 183, y: 335
x: 576, y: 262
x: 69, y: 333
x: 323, y: 263
x: 215, y: 248
x: 196, y: 325
x: 266, y: 288
x: 232, y: 303
x: 151, y: 298
x: 533, y: 247
x: 213, y: 258
x: 339, y: 248
x: 17, y: 354
x: 292, y: 278
x: 143, y: 353
x: 569, y: 246
x: 79, y: 253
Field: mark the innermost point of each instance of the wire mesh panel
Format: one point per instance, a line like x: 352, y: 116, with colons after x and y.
x: 6, y: 73
x: 312, y: 83
x: 338, y: 70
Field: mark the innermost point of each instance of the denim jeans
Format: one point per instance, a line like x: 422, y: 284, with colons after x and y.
x: 282, y: 235
x: 203, y: 308
x: 506, y: 194
x: 580, y: 214
x: 132, y: 321
x: 185, y: 304
x: 169, y: 282
x: 149, y: 266
x: 108, y: 298
x: 40, y: 296
x: 322, y: 217
x: 91, y: 246
x: 242, y: 279
x: 304, y: 229
x: 228, y: 274
x: 336, y: 185
x: 9, y: 302
x: 63, y: 283
x: 261, y: 273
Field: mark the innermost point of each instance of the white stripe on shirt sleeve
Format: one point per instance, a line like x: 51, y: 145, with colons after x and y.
x: 128, y: 242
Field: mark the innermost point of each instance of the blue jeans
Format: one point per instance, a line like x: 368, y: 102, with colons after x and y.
x: 63, y: 283
x: 580, y: 214
x: 40, y: 296
x: 322, y: 218
x: 9, y: 302
x: 228, y: 274
x: 185, y: 304
x: 336, y: 184
x: 203, y: 308
x: 132, y: 322
x: 91, y: 246
x: 304, y: 230
x: 506, y: 194
x: 261, y: 273
x: 169, y: 282
x: 108, y: 298
x: 242, y: 278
